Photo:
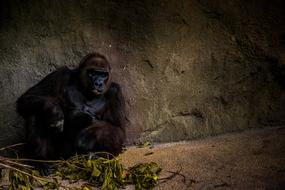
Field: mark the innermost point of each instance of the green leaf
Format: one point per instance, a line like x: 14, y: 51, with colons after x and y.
x: 95, y: 172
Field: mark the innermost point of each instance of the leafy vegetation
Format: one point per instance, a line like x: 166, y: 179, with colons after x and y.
x: 108, y: 174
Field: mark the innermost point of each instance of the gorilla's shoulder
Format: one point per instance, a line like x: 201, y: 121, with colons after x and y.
x: 115, y: 87
x: 62, y: 73
x: 114, y: 90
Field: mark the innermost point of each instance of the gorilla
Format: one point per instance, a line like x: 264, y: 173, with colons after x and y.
x: 74, y: 111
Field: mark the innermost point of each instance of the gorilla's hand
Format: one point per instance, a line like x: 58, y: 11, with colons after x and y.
x: 101, y: 137
x: 79, y: 118
x: 54, y: 118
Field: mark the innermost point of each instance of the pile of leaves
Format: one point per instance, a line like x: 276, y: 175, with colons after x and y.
x: 108, y: 174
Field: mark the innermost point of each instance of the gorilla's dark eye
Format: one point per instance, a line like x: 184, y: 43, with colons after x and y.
x: 92, y: 73
x: 102, y: 73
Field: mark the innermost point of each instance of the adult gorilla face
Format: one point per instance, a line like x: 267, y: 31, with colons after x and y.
x: 95, y: 74
x: 98, y: 79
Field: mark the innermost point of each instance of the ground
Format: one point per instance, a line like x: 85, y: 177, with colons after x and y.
x: 254, y: 159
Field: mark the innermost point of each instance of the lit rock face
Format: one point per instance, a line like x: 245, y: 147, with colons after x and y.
x: 189, y: 69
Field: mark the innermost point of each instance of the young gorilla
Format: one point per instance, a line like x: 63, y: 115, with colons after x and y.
x: 71, y: 111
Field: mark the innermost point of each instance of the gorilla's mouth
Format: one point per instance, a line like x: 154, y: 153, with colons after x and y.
x: 97, y: 91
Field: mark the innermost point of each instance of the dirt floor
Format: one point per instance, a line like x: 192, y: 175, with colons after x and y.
x: 254, y: 159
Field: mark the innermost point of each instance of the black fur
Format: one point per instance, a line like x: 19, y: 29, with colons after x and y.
x: 63, y: 118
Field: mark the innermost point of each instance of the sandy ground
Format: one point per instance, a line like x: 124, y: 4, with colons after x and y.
x: 254, y: 159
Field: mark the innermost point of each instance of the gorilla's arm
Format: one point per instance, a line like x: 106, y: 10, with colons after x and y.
x: 41, y: 106
x: 115, y: 112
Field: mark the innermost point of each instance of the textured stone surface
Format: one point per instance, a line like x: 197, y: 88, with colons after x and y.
x: 189, y: 68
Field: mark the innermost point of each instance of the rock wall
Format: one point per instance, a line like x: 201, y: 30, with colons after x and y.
x: 189, y: 68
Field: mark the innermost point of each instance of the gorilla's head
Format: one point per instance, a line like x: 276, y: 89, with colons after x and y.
x: 95, y: 73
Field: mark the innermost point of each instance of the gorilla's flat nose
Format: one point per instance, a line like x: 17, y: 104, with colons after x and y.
x: 98, y: 84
